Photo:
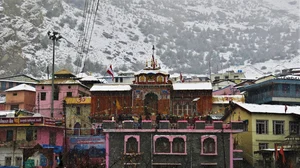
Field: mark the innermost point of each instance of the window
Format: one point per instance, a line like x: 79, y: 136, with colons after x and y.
x: 7, y: 161
x: 19, y: 161
x: 178, y: 145
x: 121, y: 80
x: 15, y: 94
x: 235, y: 77
x: 78, y: 110
x: 263, y: 146
x: 162, y: 145
x: 3, y: 85
x: 226, y: 77
x: 30, y: 134
x: 294, y: 127
x: 9, y: 135
x: 14, y: 107
x: 174, y: 144
x: 10, y: 84
x: 69, y: 94
x: 217, y: 78
x: 132, y: 145
x: 116, y: 79
x: 209, y: 145
x: 52, y: 138
x: 56, y: 95
x: 285, y: 88
x: 43, y: 95
x: 245, y: 123
x: 262, y: 126
x: 278, y: 127
x: 297, y: 89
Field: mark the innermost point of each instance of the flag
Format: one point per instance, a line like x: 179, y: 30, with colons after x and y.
x: 282, y: 153
x: 110, y: 72
x: 119, y: 107
x: 285, y: 108
x: 181, y: 78
x: 276, y: 152
x: 153, y: 62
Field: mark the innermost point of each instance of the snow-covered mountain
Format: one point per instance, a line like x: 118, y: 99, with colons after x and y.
x: 188, y: 35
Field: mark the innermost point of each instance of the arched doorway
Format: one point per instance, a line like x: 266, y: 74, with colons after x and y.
x: 150, y: 103
x: 77, y: 128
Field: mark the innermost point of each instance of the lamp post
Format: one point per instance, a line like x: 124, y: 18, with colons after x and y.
x: 54, y: 36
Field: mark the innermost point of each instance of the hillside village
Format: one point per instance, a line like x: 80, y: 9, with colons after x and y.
x: 150, y: 118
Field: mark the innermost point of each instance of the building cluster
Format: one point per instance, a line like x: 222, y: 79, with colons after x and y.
x: 150, y: 118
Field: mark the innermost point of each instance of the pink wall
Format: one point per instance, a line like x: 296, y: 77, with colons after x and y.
x: 230, y: 90
x: 44, y: 132
x: 44, y: 106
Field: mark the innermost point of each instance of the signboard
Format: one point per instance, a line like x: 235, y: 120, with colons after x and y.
x: 30, y: 120
x: 49, y: 121
x: 26, y: 120
x: 88, y: 147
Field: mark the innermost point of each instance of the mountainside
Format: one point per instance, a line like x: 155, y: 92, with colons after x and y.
x: 189, y: 35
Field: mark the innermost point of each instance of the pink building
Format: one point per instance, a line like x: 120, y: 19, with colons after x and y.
x: 65, y: 85
x: 29, y: 139
x: 228, y: 90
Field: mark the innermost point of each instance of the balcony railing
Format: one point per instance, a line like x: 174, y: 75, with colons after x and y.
x: 18, y: 143
x: 165, y: 124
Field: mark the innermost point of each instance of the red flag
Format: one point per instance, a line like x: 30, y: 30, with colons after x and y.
x: 153, y: 62
x: 276, y: 152
x: 282, y: 153
x: 285, y: 108
x: 110, y: 72
x: 181, y: 78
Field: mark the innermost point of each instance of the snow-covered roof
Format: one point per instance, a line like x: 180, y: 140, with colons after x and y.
x: 110, y: 87
x: 289, y: 77
x: 21, y: 87
x: 193, y: 86
x: 151, y: 71
x: 7, y: 112
x: 89, y: 78
x: 81, y: 75
x: 267, y: 108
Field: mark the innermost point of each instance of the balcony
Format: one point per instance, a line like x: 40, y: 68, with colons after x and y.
x: 18, y: 143
x: 179, y: 125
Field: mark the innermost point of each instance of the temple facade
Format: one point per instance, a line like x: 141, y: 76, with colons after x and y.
x: 151, y: 93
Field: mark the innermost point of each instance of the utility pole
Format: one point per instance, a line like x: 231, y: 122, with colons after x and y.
x: 54, y: 36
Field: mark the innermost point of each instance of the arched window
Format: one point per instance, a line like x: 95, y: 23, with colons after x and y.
x: 209, y: 145
x: 162, y: 145
x: 77, y: 127
x: 178, y: 145
x: 132, y: 145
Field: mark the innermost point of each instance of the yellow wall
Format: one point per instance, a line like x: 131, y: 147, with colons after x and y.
x: 249, y: 141
x: 83, y: 118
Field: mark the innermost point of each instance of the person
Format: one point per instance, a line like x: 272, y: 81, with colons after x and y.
x: 148, y: 117
x: 140, y: 122
x: 98, y: 130
x: 135, y: 121
x: 158, y: 118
